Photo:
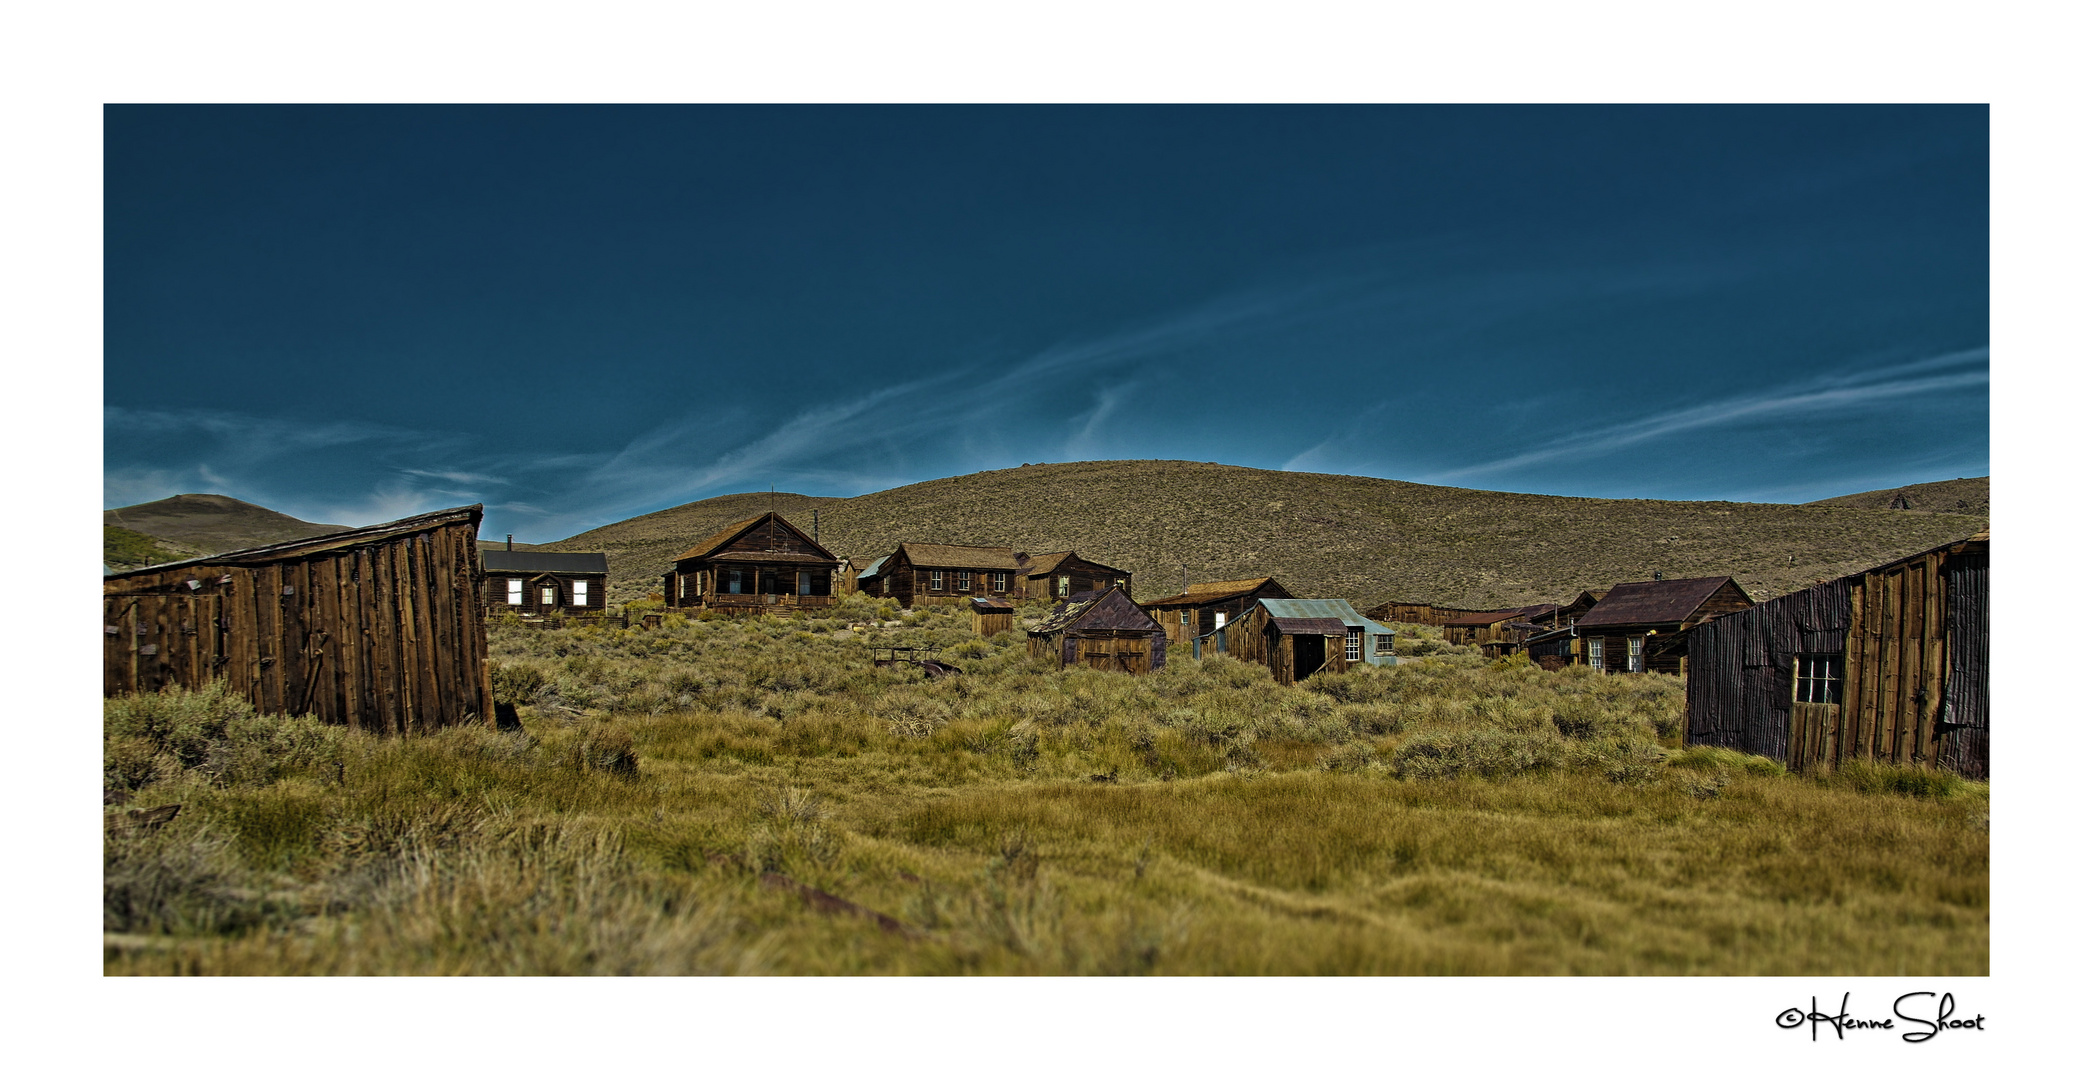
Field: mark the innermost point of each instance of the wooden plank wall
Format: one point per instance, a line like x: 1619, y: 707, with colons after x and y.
x: 1966, y: 746
x: 384, y: 636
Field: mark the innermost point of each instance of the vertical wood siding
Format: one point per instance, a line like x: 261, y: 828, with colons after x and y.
x: 381, y: 633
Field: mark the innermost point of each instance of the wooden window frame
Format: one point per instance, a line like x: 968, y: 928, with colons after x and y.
x: 999, y: 581
x: 1354, y: 645
x: 962, y: 581
x: 1819, y: 678
x: 1595, y: 653
x: 516, y: 591
x: 1635, y: 653
x: 1384, y: 644
x: 580, y: 591
x: 937, y: 581
x: 1061, y: 584
x: 548, y: 596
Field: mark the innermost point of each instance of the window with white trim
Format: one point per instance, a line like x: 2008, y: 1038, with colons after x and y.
x: 1819, y: 678
x: 1595, y: 652
x: 963, y: 580
x: 1184, y: 618
x: 1061, y: 586
x: 548, y: 596
x: 581, y: 593
x: 1635, y: 653
x: 1353, y: 638
x: 937, y: 580
x: 516, y: 591
x: 999, y: 581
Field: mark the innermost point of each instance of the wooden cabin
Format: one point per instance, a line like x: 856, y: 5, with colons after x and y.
x: 762, y: 564
x: 1641, y: 625
x: 545, y: 582
x: 1417, y: 612
x: 1505, y: 627
x: 946, y: 573
x: 1297, y: 638
x: 377, y: 628
x: 1062, y: 574
x: 1206, y: 606
x: 1105, y: 630
x: 1890, y: 664
x: 991, y: 615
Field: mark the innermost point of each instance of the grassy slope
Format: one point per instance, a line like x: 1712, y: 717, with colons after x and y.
x: 1447, y: 816
x: 1970, y: 496
x: 207, y: 524
x: 128, y: 549
x: 1364, y: 539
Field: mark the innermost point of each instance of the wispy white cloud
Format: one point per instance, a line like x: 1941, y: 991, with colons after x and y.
x: 1959, y: 370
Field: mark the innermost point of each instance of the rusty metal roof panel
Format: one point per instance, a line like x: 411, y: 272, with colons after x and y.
x: 961, y: 557
x: 1324, y: 626
x: 1639, y: 603
x: 1341, y: 610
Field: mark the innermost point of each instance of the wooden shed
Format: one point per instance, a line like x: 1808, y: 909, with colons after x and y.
x: 1103, y: 630
x: 762, y: 564
x: 1641, y: 625
x: 1890, y: 664
x: 1062, y: 574
x: 1297, y: 638
x: 545, y: 582
x: 946, y: 573
x: 1205, y: 606
x: 991, y: 615
x: 378, y: 628
x: 1506, y: 627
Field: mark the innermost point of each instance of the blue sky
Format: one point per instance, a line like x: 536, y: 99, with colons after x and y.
x: 575, y: 315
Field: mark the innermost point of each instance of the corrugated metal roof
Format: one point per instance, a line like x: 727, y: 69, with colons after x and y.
x: 1636, y: 603
x: 873, y: 570
x: 1323, y: 626
x: 1341, y: 610
x: 544, y: 562
x: 960, y: 557
x: 991, y: 605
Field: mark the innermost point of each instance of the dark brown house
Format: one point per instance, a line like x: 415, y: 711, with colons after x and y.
x: 1641, y: 625
x: 1890, y: 664
x: 1292, y: 647
x: 1509, y: 626
x: 378, y: 628
x: 946, y: 573
x: 1063, y: 574
x: 1103, y: 630
x: 545, y: 582
x: 1207, y: 605
x: 762, y: 564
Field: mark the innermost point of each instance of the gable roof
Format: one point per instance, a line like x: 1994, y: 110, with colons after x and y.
x: 1341, y: 610
x: 1484, y: 618
x: 1036, y: 565
x: 1103, y: 609
x: 545, y: 562
x: 961, y: 556
x: 312, y: 545
x: 1214, y: 592
x: 1634, y: 603
x: 872, y: 570
x: 726, y: 536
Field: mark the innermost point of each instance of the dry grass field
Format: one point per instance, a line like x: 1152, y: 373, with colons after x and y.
x: 753, y: 796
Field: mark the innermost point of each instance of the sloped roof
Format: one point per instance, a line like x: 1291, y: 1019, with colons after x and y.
x: 873, y: 569
x: 1634, y: 603
x: 545, y: 562
x: 1213, y: 592
x: 726, y: 536
x: 1105, y: 609
x: 1484, y: 618
x: 1036, y: 565
x: 1326, y: 627
x: 1341, y: 610
x: 991, y: 606
x: 961, y: 556
x: 310, y: 545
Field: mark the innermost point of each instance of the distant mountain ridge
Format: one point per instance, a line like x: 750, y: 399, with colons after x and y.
x: 1961, y: 496
x: 1360, y: 538
x: 199, y: 525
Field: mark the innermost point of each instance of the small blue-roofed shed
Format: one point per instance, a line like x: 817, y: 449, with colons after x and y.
x: 1297, y: 638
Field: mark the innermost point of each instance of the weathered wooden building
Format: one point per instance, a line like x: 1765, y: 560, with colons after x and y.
x: 545, y: 582
x: 991, y: 615
x: 378, y: 628
x: 762, y: 564
x: 1105, y: 630
x: 1297, y: 638
x: 1641, y: 625
x: 947, y: 573
x: 1062, y: 574
x: 1205, y: 606
x: 1506, y: 627
x: 1890, y: 664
